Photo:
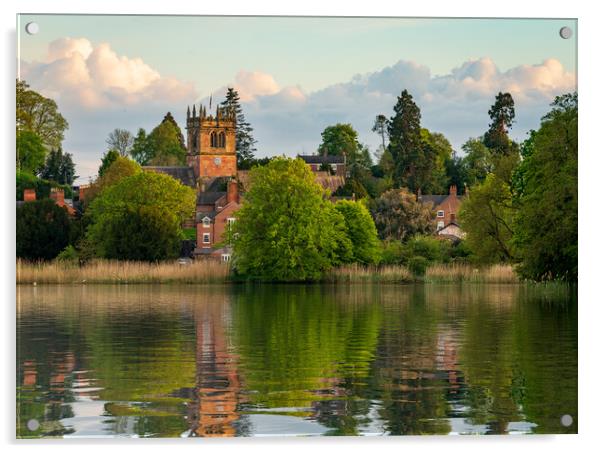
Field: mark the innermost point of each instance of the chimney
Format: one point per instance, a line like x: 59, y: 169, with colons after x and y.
x: 58, y: 195
x: 29, y: 195
x: 453, y: 190
x: 232, y: 191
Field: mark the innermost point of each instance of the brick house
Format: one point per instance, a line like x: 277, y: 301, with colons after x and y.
x: 446, y: 209
x: 56, y: 194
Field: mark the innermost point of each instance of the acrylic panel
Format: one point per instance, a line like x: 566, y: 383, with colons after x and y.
x: 295, y: 226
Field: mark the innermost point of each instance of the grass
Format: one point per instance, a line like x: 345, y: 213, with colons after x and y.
x: 209, y: 271
x: 130, y: 272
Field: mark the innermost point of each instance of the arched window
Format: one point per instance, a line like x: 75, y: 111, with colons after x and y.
x: 221, y: 140
x: 213, y: 138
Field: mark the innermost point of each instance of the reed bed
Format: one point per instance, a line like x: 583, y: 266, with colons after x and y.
x: 116, y: 272
x: 356, y: 273
x: 443, y: 273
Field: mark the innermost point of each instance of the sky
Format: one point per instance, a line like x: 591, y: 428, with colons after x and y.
x: 295, y: 75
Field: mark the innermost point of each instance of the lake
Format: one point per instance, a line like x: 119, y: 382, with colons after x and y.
x: 288, y: 360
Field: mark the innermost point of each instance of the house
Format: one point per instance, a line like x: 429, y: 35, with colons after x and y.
x: 446, y: 209
x: 318, y: 163
x: 56, y: 194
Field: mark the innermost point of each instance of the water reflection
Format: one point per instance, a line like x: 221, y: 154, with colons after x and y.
x: 295, y: 360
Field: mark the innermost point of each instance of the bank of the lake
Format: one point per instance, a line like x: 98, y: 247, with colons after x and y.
x: 210, y: 272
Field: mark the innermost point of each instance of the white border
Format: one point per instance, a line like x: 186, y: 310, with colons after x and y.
x: 590, y: 191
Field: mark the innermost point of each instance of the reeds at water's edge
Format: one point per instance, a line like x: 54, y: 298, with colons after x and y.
x: 206, y: 271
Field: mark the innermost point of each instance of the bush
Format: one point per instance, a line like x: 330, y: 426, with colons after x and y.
x: 43, y: 230
x: 418, y: 265
x: 69, y: 254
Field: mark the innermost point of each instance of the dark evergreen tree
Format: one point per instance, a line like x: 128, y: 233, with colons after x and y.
x: 141, y: 151
x: 107, y: 160
x: 502, y: 117
x: 245, y: 143
x: 414, y: 159
x: 42, y: 230
x: 59, y: 167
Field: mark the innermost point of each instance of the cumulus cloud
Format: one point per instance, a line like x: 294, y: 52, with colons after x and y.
x: 77, y: 73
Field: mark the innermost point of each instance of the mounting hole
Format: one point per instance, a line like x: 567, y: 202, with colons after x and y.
x: 33, y: 425
x: 566, y: 32
x: 32, y: 28
x: 566, y: 420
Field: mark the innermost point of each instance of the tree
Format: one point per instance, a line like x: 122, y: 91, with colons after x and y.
x: 120, y: 140
x: 437, y: 152
x: 42, y: 230
x: 141, y: 151
x: 120, y: 168
x: 546, y: 223
x: 59, y: 167
x: 405, y: 144
x: 477, y: 161
x: 140, y: 217
x: 340, y: 140
x: 245, y: 143
x: 502, y: 116
x: 39, y: 115
x: 31, y: 152
x: 486, y: 217
x: 286, y: 229
x: 361, y: 231
x: 165, y: 144
x: 107, y: 159
x: 380, y: 127
x: 398, y: 215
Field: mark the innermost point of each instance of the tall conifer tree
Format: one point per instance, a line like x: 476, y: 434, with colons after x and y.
x: 245, y: 143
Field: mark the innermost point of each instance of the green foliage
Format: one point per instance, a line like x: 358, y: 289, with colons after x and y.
x: 140, y: 217
x: 59, y: 167
x: 286, y: 229
x: 163, y: 146
x: 486, y: 217
x: 68, y: 254
x: 245, y: 143
x: 399, y: 215
x: 42, y: 187
x: 361, y: 231
x: 339, y: 140
x: 546, y: 224
x: 477, y: 161
x: 502, y: 117
x: 418, y: 265
x: 380, y: 127
x: 412, y: 160
x: 438, y: 152
x: 39, y: 115
x: 42, y: 230
x: 31, y: 152
x: 107, y: 159
x: 120, y: 168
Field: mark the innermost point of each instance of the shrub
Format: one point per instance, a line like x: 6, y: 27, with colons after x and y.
x: 42, y: 230
x: 418, y: 265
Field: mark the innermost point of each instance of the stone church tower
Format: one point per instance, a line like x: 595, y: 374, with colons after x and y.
x: 211, y: 142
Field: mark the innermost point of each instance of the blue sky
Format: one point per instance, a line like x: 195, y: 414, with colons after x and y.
x: 297, y: 75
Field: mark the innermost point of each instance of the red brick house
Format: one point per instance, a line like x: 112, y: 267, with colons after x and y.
x: 56, y: 194
x: 446, y: 209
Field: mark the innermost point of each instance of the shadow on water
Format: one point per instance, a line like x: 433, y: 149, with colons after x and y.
x: 296, y: 360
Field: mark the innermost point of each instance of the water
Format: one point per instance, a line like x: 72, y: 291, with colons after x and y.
x: 161, y: 361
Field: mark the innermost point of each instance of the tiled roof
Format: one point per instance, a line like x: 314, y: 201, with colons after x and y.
x: 437, y: 199
x: 183, y: 174
x: 323, y: 159
x: 209, y: 197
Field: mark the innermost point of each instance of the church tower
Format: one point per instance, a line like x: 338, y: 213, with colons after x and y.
x: 211, y: 142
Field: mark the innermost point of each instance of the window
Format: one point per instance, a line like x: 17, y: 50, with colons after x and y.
x: 225, y: 257
x: 440, y: 214
x: 213, y: 138
x: 221, y: 140
x: 440, y: 225
x: 334, y: 167
x: 206, y: 238
x: 206, y: 222
x: 230, y: 221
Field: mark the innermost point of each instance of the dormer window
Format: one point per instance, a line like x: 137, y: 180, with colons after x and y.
x: 206, y: 222
x: 440, y: 213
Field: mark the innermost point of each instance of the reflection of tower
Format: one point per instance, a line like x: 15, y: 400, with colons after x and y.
x: 214, y: 410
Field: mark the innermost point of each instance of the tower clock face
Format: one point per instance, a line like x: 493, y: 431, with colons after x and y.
x: 217, y: 161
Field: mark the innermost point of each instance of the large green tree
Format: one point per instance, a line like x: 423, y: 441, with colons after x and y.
x: 115, y: 171
x: 31, y: 152
x: 361, y: 231
x: 107, y: 160
x: 245, y: 143
x: 398, y: 215
x: 163, y: 146
x: 40, y: 115
x: 141, y: 151
x: 42, y: 230
x: 414, y: 159
x: 502, y: 115
x: 437, y: 152
x: 59, y: 167
x: 339, y: 140
x: 287, y: 230
x: 140, y: 217
x: 546, y: 223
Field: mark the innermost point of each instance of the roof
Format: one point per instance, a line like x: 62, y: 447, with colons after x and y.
x: 183, y: 174
x: 328, y: 181
x: 328, y: 159
x: 437, y: 199
x: 209, y: 197
x: 201, y: 215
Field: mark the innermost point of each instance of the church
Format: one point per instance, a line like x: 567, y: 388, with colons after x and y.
x: 211, y: 170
